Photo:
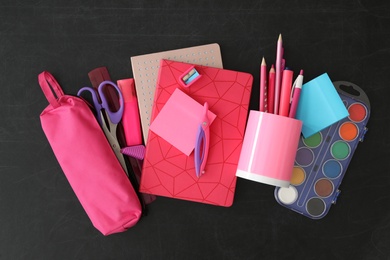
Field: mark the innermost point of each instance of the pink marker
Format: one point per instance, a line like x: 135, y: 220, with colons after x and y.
x: 130, y: 120
x: 296, y: 92
x: 285, y: 92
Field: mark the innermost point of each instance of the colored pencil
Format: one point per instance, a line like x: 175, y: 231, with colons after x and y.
x: 271, y: 89
x: 263, y: 86
x: 278, y: 76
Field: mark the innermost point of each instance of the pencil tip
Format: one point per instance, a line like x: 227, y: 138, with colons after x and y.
x: 263, y: 61
x: 280, y: 37
x: 301, y: 72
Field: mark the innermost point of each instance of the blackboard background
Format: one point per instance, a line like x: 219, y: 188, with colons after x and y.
x: 40, y: 217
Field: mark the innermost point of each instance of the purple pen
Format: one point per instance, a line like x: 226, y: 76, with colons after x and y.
x: 202, y: 142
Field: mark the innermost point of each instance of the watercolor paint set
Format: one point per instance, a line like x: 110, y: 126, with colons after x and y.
x: 322, y: 159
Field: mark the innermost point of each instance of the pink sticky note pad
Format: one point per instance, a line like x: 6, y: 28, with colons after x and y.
x: 178, y: 121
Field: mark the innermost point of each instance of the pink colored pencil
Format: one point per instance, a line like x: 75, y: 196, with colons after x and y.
x: 271, y: 89
x: 263, y: 86
x: 278, y: 77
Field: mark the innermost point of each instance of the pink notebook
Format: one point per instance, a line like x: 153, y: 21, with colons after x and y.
x: 169, y: 172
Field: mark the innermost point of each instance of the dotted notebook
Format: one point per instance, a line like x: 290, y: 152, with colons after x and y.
x: 145, y: 72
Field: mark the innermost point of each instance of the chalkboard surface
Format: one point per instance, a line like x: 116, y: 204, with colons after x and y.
x: 40, y: 216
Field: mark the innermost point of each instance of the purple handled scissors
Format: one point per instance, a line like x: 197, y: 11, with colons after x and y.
x: 202, y: 142
x: 108, y: 119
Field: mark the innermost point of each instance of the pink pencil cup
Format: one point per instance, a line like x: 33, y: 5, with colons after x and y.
x: 269, y: 148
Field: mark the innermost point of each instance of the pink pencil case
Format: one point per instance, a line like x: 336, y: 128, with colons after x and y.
x: 88, y: 162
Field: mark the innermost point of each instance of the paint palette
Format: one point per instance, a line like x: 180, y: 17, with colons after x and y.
x: 323, y: 158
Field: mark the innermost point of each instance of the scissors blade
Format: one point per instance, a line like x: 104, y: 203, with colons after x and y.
x: 111, y: 137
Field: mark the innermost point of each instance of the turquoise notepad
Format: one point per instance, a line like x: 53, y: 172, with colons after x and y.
x: 319, y: 106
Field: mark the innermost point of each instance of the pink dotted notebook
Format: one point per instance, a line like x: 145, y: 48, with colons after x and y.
x: 169, y: 172
x: 145, y: 71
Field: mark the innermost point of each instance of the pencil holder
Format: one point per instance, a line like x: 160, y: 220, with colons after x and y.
x: 269, y: 148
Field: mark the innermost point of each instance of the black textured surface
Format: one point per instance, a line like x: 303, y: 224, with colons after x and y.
x: 40, y: 216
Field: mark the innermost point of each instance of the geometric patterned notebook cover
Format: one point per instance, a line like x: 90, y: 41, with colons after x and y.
x: 145, y: 71
x: 169, y: 172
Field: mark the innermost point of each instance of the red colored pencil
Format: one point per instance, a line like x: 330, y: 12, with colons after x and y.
x: 263, y: 85
x: 271, y: 89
